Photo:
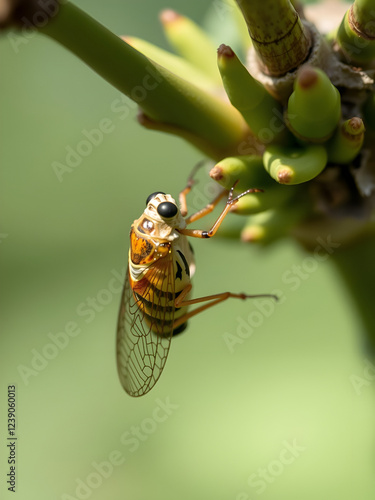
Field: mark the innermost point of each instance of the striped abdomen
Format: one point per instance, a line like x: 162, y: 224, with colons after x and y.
x: 159, y: 271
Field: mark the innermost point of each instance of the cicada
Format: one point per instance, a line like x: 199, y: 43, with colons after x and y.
x: 157, y: 292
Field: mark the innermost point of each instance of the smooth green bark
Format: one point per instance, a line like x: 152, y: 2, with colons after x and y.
x: 165, y: 98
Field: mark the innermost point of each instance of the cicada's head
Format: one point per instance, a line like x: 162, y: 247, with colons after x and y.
x: 161, y: 217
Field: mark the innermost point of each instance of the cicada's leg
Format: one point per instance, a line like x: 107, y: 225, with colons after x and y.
x: 190, y: 183
x: 211, y: 300
x: 198, y: 233
x: 207, y: 209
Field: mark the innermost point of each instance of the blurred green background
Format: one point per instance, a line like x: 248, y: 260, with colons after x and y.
x: 276, y: 417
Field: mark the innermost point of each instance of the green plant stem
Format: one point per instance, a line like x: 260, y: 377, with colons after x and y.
x: 260, y: 110
x: 278, y: 35
x: 364, y: 15
x: 355, y: 35
x: 163, y: 96
x: 355, y: 264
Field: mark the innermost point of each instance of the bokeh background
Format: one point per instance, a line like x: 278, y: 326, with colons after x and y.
x: 286, y: 413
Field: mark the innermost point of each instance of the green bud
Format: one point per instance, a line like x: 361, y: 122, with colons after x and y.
x: 347, y: 141
x: 363, y: 12
x: 191, y: 42
x: 248, y: 172
x: 355, y: 36
x: 294, y: 165
x: 176, y: 64
x: 265, y: 227
x: 273, y: 196
x: 260, y: 110
x: 271, y: 225
x: 314, y: 107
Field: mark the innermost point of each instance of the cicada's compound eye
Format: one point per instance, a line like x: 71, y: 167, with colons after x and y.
x: 167, y: 210
x: 152, y: 195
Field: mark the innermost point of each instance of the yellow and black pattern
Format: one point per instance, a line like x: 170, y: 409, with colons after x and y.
x: 145, y: 326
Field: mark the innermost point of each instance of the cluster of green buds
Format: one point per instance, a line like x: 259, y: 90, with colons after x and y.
x: 302, y: 101
x: 285, y: 108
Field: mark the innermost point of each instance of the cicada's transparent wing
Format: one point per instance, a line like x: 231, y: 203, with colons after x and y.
x: 145, y: 327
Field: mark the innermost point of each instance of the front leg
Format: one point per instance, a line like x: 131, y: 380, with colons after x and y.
x: 197, y: 233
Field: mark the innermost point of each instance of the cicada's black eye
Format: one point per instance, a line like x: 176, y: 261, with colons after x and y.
x: 152, y: 195
x: 167, y: 210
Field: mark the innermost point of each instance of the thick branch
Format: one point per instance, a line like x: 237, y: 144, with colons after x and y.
x: 278, y: 35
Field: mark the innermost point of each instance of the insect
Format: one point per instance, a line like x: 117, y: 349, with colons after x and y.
x: 157, y: 291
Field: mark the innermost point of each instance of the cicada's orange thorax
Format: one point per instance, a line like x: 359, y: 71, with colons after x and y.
x: 145, y: 250
x: 141, y: 249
